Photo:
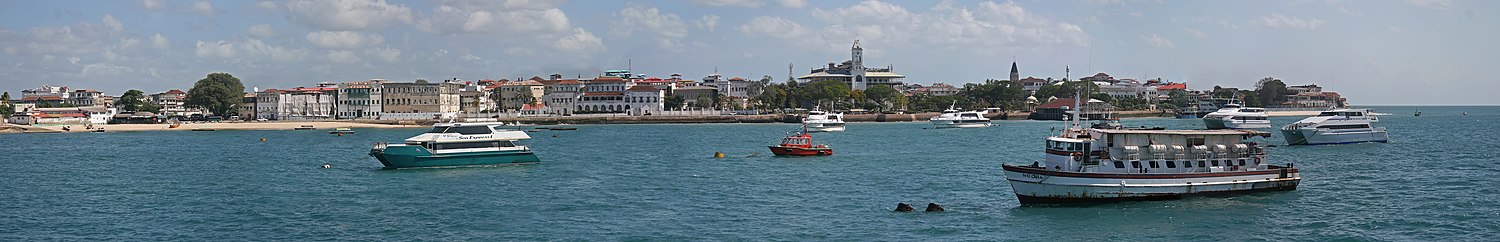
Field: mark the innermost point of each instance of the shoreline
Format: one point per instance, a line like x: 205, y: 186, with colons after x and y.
x: 554, y: 120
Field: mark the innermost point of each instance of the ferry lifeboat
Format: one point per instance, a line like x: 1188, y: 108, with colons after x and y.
x: 800, y: 144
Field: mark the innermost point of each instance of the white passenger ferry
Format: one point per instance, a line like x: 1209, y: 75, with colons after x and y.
x: 1232, y: 116
x: 1340, y: 126
x: 1100, y: 165
x: 952, y: 118
x: 819, y: 121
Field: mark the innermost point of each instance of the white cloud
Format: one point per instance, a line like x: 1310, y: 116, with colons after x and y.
x: 160, y: 42
x: 1158, y: 41
x: 342, y: 56
x: 1196, y: 33
x: 1280, y: 21
x: 495, y: 17
x: 154, y: 4
x: 204, y: 8
x: 581, y: 41
x: 793, y: 3
x: 708, y: 22
x: 113, y: 23
x: 267, y: 5
x: 249, y: 50
x: 344, y: 39
x: 261, y: 31
x: 733, y: 3
x: 387, y: 54
x: 347, y: 14
x: 1433, y: 4
x: 666, y: 28
x: 988, y: 27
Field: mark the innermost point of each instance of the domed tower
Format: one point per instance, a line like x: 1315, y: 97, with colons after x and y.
x: 857, y: 67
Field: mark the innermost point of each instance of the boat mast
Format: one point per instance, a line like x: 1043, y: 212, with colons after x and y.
x: 1077, y: 108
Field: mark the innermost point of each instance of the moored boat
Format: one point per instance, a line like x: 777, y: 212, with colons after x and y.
x: 341, y: 131
x: 1104, y: 165
x: 819, y: 121
x: 304, y: 127
x: 1339, y: 126
x: 800, y: 144
x: 457, y: 144
x: 1232, y: 116
x: 952, y: 118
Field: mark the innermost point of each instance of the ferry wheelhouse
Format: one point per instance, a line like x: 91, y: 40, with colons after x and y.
x: 458, y: 144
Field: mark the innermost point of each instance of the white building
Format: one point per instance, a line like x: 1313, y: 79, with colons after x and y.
x: 644, y: 100
x: 562, y: 96
x: 854, y: 72
x: 360, y: 100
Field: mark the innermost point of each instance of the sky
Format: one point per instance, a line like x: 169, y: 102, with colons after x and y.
x: 1419, y: 52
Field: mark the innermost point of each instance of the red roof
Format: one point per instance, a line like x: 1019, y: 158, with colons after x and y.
x: 593, y: 94
x: 175, y: 91
x: 569, y: 82
x: 315, y: 89
x: 1059, y: 103
x: 61, y: 115
x: 644, y: 88
x: 532, y: 107
x: 43, y: 98
x: 1173, y: 86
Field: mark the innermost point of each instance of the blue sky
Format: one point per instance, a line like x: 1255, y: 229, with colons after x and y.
x: 1373, y: 52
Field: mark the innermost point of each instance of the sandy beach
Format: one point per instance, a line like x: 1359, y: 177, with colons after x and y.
x: 214, y: 126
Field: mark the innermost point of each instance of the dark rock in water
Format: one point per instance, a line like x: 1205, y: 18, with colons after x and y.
x: 903, y: 207
x: 933, y: 207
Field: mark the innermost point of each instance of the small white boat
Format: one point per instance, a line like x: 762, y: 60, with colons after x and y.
x: 1339, y: 126
x: 952, y: 118
x: 1232, y: 116
x: 819, y: 121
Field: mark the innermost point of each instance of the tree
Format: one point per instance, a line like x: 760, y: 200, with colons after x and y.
x: 131, y: 101
x: 882, y: 95
x: 219, y: 93
x: 1271, y: 91
x: 421, y: 81
x: 5, y: 107
x: 673, y: 102
x: 822, y: 91
x: 1065, y: 90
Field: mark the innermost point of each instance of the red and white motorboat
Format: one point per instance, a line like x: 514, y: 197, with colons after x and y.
x: 800, y: 144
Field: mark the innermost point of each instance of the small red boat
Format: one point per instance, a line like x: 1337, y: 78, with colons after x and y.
x: 800, y: 144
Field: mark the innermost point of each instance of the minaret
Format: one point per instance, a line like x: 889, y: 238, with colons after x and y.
x: 857, y: 67
x: 1015, y: 75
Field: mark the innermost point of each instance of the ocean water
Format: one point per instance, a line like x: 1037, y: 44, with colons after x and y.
x: 1436, y: 181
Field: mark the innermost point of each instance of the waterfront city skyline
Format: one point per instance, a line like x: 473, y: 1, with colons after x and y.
x: 1377, y: 52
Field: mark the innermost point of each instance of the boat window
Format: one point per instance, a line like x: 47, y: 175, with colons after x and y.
x: 1171, y: 164
x: 1135, y: 164
x: 1195, y: 141
x: 464, y: 145
x: 1201, y: 164
x: 470, y: 130
x: 1119, y: 164
x: 1154, y: 165
x: 1185, y: 164
x: 1242, y: 162
x: 1355, y: 114
x: 1215, y: 162
x: 507, y: 143
x: 439, y: 130
x: 1329, y: 114
x: 1346, y: 126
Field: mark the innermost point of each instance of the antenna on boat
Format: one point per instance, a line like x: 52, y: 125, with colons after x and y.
x: 1078, y: 109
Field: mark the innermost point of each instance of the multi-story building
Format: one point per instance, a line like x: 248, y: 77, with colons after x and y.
x: 360, y: 100
x: 937, y: 89
x: 697, y: 96
x: 172, y: 102
x: 46, y: 91
x: 562, y: 96
x: 247, y: 106
x: 1032, y: 84
x: 420, y: 100
x: 514, y: 95
x: 268, y: 104
x: 308, y: 103
x: 854, y: 72
x: 643, y: 100
x: 86, y: 98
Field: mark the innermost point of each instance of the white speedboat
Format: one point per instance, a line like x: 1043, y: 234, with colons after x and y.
x: 952, y: 118
x: 1339, y: 126
x: 1232, y: 116
x: 457, y: 144
x: 819, y: 121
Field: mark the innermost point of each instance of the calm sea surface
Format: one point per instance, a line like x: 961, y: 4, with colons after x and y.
x: 1438, y: 180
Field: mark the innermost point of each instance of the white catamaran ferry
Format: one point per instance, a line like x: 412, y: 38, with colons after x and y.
x: 1232, y: 116
x: 1100, y: 165
x: 1340, y: 126
x: 819, y: 121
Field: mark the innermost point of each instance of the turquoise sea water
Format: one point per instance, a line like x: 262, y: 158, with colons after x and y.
x: 1436, y: 181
